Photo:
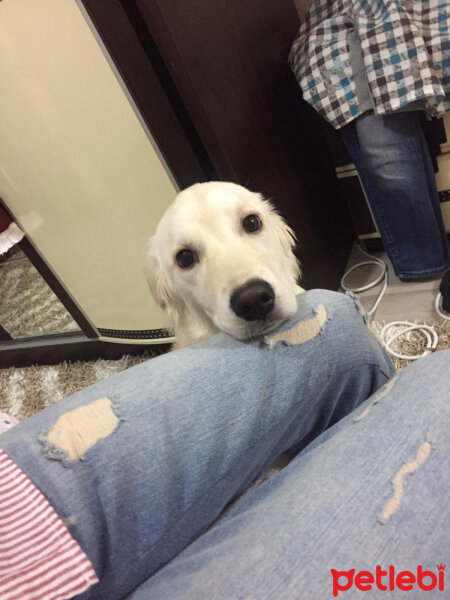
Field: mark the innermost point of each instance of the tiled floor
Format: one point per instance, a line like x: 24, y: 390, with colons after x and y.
x: 410, y: 301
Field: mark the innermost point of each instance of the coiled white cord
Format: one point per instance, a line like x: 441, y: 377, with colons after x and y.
x: 439, y: 309
x: 428, y: 331
x: 383, y: 275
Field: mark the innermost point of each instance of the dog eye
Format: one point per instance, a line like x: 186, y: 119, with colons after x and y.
x: 251, y: 223
x: 185, y: 258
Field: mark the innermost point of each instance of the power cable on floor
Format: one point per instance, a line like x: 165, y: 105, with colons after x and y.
x: 427, y: 331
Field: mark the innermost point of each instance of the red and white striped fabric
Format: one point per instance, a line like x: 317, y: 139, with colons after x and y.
x: 39, y: 559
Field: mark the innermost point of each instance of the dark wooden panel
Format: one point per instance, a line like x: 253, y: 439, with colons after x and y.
x: 357, y: 204
x: 145, y: 75
x: 4, y: 335
x: 228, y: 61
x: 336, y: 147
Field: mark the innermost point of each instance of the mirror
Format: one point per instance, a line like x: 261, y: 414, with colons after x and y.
x: 28, y: 307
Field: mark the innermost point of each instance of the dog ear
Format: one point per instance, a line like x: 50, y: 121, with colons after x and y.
x: 158, y: 281
x: 188, y: 323
x: 288, y: 242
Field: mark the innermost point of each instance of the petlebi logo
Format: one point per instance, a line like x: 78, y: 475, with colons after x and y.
x: 388, y: 580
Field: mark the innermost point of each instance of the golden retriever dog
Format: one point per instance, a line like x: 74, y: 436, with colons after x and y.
x: 222, y: 260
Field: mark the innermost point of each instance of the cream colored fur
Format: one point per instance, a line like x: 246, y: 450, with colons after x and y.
x: 207, y: 218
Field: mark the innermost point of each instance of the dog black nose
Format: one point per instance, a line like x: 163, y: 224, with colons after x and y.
x: 253, y: 300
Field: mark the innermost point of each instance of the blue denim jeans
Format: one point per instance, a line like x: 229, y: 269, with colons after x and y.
x: 196, y: 426
x: 370, y: 494
x: 392, y: 158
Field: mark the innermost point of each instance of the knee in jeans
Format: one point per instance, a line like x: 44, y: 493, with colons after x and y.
x: 302, y: 331
x: 337, y: 303
x: 343, y: 310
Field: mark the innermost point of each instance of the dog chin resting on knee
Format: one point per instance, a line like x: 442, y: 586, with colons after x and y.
x: 222, y: 260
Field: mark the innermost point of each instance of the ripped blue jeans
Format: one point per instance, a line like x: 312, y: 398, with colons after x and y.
x: 175, y: 439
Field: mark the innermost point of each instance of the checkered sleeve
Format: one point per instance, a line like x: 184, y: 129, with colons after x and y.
x: 403, y: 53
x: 320, y: 60
x: 406, y: 53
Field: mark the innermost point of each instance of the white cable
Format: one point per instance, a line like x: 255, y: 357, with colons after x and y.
x: 428, y: 331
x: 439, y: 309
x: 432, y: 340
x: 383, y: 275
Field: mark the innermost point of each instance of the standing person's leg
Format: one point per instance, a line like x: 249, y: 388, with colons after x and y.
x: 392, y: 158
x: 372, y: 490
x: 141, y: 464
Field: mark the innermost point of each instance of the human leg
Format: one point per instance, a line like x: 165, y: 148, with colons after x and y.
x: 392, y: 159
x: 145, y: 471
x: 372, y: 490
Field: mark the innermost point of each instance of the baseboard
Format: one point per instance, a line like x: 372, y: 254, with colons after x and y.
x: 70, y: 347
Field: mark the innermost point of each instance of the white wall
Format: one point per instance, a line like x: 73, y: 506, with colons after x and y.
x: 77, y: 169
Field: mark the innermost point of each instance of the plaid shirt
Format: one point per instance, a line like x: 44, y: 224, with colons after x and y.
x: 406, y: 51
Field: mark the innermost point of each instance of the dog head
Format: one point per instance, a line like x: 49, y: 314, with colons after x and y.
x: 222, y: 260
